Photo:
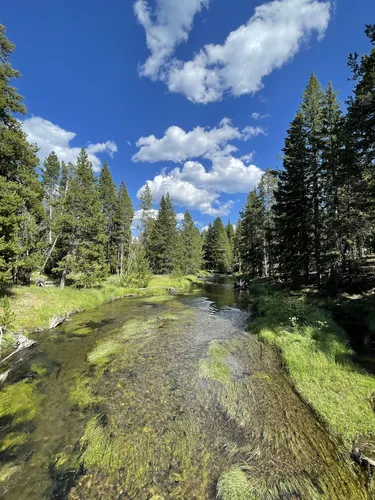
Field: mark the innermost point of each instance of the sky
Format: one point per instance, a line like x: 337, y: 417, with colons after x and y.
x: 192, y: 96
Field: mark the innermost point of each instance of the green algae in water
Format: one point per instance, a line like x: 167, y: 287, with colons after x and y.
x: 81, y: 395
x: 7, y: 471
x: 20, y: 400
x: 103, y: 353
x: 12, y: 440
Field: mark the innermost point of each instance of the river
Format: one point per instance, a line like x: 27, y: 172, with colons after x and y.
x: 161, y: 398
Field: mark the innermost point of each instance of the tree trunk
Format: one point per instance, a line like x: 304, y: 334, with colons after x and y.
x: 62, y: 279
x: 122, y: 259
x: 49, y: 255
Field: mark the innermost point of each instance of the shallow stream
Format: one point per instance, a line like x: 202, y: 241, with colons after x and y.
x: 163, y: 398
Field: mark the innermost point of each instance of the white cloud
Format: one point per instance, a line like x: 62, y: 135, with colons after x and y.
x: 248, y: 157
x: 271, y: 38
x: 178, y: 145
x: 153, y: 214
x: 128, y: 143
x: 259, y: 116
x: 192, y: 185
x: 249, y: 132
x: 50, y: 137
x: 166, y: 26
x: 186, y: 194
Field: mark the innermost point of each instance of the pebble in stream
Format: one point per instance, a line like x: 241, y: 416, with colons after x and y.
x: 169, y: 399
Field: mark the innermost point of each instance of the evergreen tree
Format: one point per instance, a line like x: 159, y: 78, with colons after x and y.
x: 82, y: 228
x: 190, y: 247
x: 146, y: 221
x: 221, y: 249
x: 252, y: 236
x: 312, y: 109
x: 360, y: 143
x: 208, y: 240
x: 109, y: 205
x: 267, y: 188
x: 334, y: 188
x: 237, y: 260
x: 292, y: 209
x: 21, y: 211
x: 51, y: 175
x: 138, y: 273
x: 122, y: 227
x: 162, y: 241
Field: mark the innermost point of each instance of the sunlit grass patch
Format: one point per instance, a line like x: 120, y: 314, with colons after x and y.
x: 234, y: 485
x: 34, y: 306
x: 320, y: 362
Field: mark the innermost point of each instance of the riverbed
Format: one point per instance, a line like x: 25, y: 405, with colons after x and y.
x: 161, y: 398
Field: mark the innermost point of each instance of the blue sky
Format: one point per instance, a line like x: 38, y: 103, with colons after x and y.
x: 198, y: 108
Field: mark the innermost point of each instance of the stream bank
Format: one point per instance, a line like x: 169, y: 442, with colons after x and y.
x: 163, y: 397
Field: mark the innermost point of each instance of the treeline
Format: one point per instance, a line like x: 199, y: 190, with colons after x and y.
x: 313, y: 221
x: 62, y: 220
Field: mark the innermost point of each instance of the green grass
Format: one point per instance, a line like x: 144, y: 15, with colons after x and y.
x: 317, y: 355
x: 34, y: 307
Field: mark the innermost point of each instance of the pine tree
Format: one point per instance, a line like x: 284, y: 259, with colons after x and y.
x: 21, y: 211
x: 190, y: 247
x: 312, y: 109
x: 360, y: 144
x: 221, y: 249
x: 162, y: 240
x: 292, y: 208
x: 208, y: 240
x: 82, y: 228
x: 109, y: 205
x: 252, y: 236
x: 237, y: 260
x: 51, y: 174
x: 267, y: 188
x: 122, y: 227
x: 334, y: 187
x: 138, y: 272
x: 146, y: 221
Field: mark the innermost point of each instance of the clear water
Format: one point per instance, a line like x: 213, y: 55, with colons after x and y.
x: 153, y: 399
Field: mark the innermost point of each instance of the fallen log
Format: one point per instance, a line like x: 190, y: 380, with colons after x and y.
x: 21, y: 343
x: 58, y: 320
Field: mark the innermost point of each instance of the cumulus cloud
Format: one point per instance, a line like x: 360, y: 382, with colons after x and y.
x: 178, y: 145
x: 50, y: 137
x: 271, y: 38
x: 192, y: 185
x: 153, y: 214
x: 166, y: 26
x: 259, y: 116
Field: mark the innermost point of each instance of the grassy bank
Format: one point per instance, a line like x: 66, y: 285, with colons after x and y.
x: 34, y: 307
x: 320, y: 363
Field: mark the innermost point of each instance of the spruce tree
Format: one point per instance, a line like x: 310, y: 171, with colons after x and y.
x: 123, y: 217
x: 360, y: 145
x: 312, y: 109
x: 162, y: 240
x: 208, y: 240
x: 292, y: 208
x: 51, y: 175
x: 109, y: 205
x: 190, y: 246
x: 221, y: 249
x: 21, y: 211
x: 146, y: 221
x: 267, y: 188
x: 237, y: 259
x: 252, y: 236
x: 82, y: 228
x: 334, y: 189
